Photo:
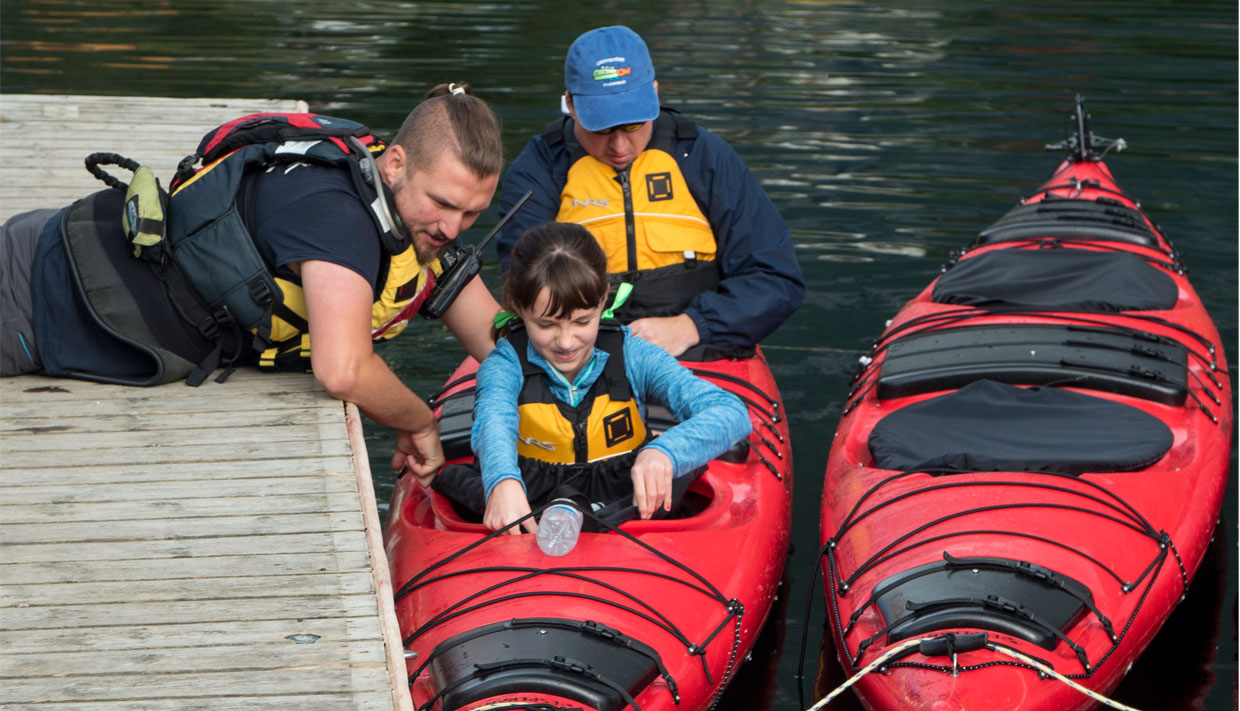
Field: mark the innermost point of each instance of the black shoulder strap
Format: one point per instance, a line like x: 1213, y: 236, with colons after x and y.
x: 685, y: 128
x: 614, y: 379
x: 559, y: 136
x: 554, y: 133
x: 611, y: 341
x: 670, y: 128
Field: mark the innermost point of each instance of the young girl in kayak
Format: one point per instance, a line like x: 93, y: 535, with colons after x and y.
x: 562, y: 399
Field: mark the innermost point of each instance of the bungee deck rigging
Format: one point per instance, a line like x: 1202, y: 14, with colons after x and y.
x: 1106, y: 506
x: 1022, y: 450
x: 694, y: 581
x: 653, y: 614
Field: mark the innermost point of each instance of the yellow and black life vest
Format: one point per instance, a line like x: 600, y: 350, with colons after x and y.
x: 606, y: 422
x: 214, y: 248
x: 406, y: 288
x: 652, y: 229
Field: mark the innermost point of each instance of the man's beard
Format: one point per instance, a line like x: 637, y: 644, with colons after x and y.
x: 427, y: 253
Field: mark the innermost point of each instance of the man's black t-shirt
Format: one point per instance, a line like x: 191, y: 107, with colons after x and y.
x: 301, y: 212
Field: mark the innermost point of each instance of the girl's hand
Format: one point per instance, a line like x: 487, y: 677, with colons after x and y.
x: 652, y: 482
x: 506, y: 504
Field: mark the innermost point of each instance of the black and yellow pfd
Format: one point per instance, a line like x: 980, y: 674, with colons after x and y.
x: 653, y: 231
x: 205, y: 223
x: 605, y: 424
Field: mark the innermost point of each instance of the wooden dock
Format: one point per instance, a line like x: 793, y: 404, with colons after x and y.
x: 45, y: 139
x: 174, y: 547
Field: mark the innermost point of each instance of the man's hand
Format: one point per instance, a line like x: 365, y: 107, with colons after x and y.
x: 420, y: 453
x: 674, y: 334
x: 652, y: 482
x: 506, y: 504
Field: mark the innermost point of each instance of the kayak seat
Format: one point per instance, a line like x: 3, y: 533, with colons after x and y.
x: 1136, y: 364
x: 1101, y: 219
x: 1011, y: 597
x: 456, y: 421
x: 990, y: 426
x: 1057, y: 280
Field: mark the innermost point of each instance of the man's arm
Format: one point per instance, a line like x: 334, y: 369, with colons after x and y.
x: 338, y: 305
x: 470, y: 317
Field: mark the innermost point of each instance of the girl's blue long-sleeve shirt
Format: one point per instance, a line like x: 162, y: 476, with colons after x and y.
x: 711, y: 419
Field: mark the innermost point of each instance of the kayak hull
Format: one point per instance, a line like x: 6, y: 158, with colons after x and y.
x: 971, y: 563
x: 657, y: 613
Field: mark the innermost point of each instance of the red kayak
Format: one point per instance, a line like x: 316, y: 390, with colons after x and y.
x: 648, y: 615
x: 1031, y: 463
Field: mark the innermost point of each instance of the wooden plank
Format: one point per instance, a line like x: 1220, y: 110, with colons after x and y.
x: 244, y: 384
x: 202, y: 472
x: 261, y: 658
x: 180, y: 528
x: 392, y: 635
x: 141, y: 571
x: 231, y: 437
x: 176, y: 491
x: 373, y: 701
x: 42, y: 595
x: 185, y: 548
x: 20, y: 404
x: 191, y: 635
x: 222, y: 612
x: 62, y: 130
x: 186, y: 508
x: 188, y: 453
x: 337, y: 679
x: 46, y: 424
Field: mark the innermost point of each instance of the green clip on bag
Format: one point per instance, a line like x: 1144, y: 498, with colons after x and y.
x: 146, y: 205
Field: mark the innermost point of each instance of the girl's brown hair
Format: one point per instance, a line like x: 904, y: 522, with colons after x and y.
x: 564, y: 258
x: 452, y: 117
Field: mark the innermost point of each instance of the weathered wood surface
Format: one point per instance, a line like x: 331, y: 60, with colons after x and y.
x: 44, y: 140
x: 184, y: 548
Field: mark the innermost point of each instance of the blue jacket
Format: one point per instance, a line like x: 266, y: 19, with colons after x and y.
x: 761, y: 283
x: 711, y: 419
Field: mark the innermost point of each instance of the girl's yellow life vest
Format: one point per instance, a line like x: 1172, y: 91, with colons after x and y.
x: 606, y: 423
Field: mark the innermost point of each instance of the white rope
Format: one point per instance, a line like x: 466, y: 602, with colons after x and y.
x: 1002, y: 650
x: 869, y: 668
x: 1051, y: 672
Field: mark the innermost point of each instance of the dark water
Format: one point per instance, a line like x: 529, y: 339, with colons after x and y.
x: 888, y: 133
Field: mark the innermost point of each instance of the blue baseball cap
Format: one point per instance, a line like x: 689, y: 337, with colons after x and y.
x: 611, y: 78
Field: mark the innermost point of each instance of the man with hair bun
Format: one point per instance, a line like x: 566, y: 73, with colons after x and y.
x: 344, y: 278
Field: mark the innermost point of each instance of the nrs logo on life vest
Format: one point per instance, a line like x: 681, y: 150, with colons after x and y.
x: 530, y: 441
x: 590, y: 202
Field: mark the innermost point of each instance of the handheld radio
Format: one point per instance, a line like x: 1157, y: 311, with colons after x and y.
x: 459, y: 266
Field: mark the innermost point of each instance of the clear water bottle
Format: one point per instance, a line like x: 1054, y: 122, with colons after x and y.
x: 559, y: 528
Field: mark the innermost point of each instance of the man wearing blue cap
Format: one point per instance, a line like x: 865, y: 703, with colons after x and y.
x: 678, y: 214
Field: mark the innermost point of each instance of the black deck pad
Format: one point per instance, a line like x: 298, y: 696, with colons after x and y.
x: 1108, y: 359
x: 1057, y: 279
x: 989, y: 426
x: 1007, y: 596
x: 1103, y: 219
x: 573, y: 659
